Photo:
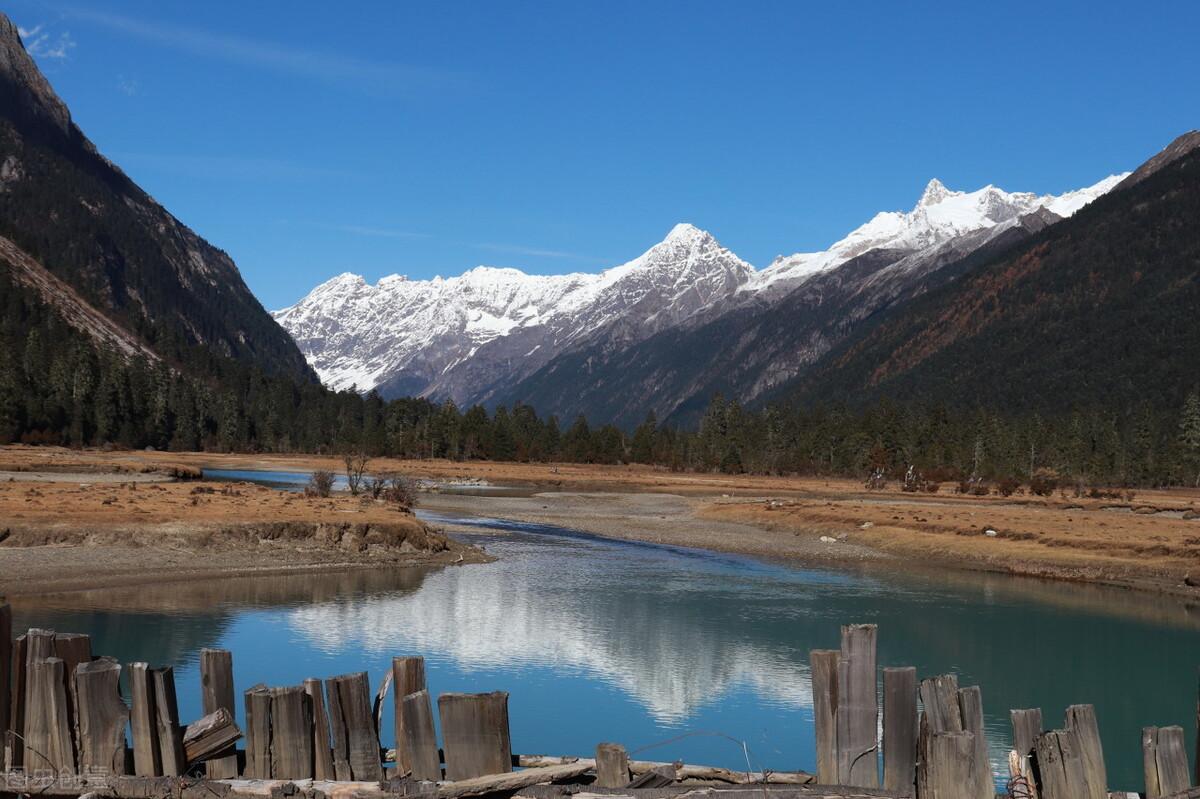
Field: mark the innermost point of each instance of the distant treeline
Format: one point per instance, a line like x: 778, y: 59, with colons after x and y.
x: 57, y: 388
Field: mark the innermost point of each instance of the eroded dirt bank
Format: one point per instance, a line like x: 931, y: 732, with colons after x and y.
x: 62, y: 535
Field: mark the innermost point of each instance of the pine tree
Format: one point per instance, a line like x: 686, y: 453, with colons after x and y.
x: 1189, y: 431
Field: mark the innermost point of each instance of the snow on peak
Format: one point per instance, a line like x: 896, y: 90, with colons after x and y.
x: 940, y: 215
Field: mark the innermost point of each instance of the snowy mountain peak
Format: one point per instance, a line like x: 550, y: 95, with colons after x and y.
x: 686, y: 232
x: 935, y: 192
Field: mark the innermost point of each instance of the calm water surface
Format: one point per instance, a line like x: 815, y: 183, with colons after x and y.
x: 677, y: 653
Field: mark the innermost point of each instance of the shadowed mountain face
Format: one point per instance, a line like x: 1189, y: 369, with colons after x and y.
x: 79, y: 217
x: 1098, y: 309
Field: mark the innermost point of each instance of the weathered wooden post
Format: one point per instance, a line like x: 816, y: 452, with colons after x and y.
x: 823, y: 665
x: 1026, y: 727
x: 356, y: 754
x: 48, y: 739
x: 102, y: 716
x: 475, y: 734
x: 408, y: 677
x: 1059, y: 765
x: 216, y: 680
x: 258, y: 733
x: 143, y: 722
x: 73, y: 649
x: 6, y: 659
x: 1081, y: 720
x: 950, y: 768
x: 899, y: 728
x: 420, y: 741
x: 170, y: 734
x: 858, y: 708
x: 1164, y: 760
x: 941, y: 714
x: 291, y: 734
x: 39, y: 645
x: 970, y: 705
x: 612, y: 766
x: 322, y: 753
x: 13, y: 747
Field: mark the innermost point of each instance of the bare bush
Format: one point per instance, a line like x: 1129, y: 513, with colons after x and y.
x: 1044, y: 482
x: 356, y: 468
x: 401, y: 491
x: 320, y: 484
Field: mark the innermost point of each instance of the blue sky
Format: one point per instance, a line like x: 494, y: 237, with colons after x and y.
x: 311, y: 139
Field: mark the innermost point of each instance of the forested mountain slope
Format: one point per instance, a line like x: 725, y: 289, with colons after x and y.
x: 1101, y: 310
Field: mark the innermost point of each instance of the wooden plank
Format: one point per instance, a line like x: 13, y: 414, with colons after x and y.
x: 685, y: 771
x: 900, y: 728
x: 475, y: 735
x: 1081, y: 720
x: 509, y: 781
x: 143, y: 722
x: 823, y: 665
x: 6, y: 658
x: 209, y: 737
x: 216, y: 680
x: 939, y: 697
x: 612, y: 766
x: 291, y: 734
x: 658, y: 777
x: 970, y: 703
x: 13, y: 747
x: 322, y: 753
x: 356, y: 751
x: 952, y: 756
x: 258, y: 733
x: 38, y: 645
x: 170, y: 734
x: 102, y: 716
x: 1026, y: 727
x: 72, y: 649
x: 1059, y: 765
x: 858, y: 707
x: 48, y: 739
x: 408, y: 676
x: 420, y: 741
x: 1164, y: 760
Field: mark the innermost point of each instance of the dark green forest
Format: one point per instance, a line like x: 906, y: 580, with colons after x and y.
x: 57, y: 388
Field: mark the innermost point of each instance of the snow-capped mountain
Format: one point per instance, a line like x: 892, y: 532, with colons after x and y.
x: 408, y: 336
x: 473, y: 337
x: 941, y: 215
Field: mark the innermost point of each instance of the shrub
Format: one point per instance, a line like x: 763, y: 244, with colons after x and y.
x: 401, y: 491
x: 1007, y: 486
x: 320, y: 484
x: 1044, y: 482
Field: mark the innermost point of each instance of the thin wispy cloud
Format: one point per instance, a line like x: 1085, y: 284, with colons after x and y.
x: 127, y: 86
x: 374, y: 76
x: 535, y: 252
x: 376, y: 232
x: 46, y: 45
x: 226, y: 167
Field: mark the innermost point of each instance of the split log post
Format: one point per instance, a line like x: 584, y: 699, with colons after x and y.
x: 612, y: 766
x: 102, y: 716
x: 1081, y: 720
x: 408, y: 676
x: 322, y: 753
x: 13, y: 748
x: 291, y: 734
x: 899, y: 728
x: 952, y: 756
x: 39, y: 645
x: 48, y: 740
x: 1026, y: 727
x: 475, y: 734
x: 858, y: 707
x: 6, y: 662
x: 170, y: 734
x: 420, y: 741
x: 940, y: 714
x: 1060, y: 765
x: 970, y: 704
x: 823, y: 665
x: 1164, y: 760
x: 216, y: 680
x: 356, y: 754
x: 143, y: 722
x: 72, y: 649
x: 258, y: 733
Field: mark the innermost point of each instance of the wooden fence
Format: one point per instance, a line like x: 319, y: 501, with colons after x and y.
x: 64, y: 714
